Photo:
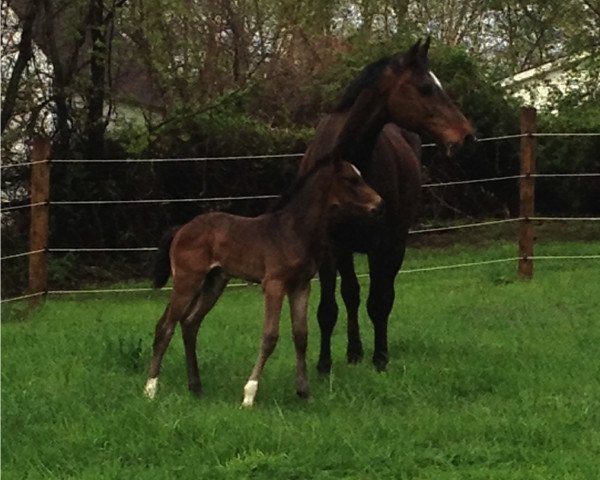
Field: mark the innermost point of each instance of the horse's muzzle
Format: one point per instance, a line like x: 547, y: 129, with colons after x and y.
x: 467, y: 147
x: 377, y: 211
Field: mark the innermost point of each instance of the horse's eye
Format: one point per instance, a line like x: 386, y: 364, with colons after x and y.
x: 354, y: 181
x: 425, y: 89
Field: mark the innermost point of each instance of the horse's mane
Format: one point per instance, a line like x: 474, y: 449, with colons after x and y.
x: 367, y: 77
x: 299, y: 183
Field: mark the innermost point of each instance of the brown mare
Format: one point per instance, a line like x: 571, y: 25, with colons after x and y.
x: 366, y: 127
x: 281, y: 250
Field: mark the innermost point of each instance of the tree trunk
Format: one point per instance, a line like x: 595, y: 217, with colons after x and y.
x: 95, y: 124
x: 25, y: 53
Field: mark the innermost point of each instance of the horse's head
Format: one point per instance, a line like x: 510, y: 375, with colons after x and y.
x: 416, y: 100
x: 350, y: 195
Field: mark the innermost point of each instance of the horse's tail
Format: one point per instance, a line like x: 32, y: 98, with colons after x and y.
x: 162, y: 264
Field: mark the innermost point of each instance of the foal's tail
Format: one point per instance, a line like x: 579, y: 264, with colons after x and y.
x: 162, y: 264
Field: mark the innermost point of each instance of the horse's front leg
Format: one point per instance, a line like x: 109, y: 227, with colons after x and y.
x: 383, y: 267
x: 351, y: 294
x: 327, y: 311
x: 273, y: 292
x: 299, y: 309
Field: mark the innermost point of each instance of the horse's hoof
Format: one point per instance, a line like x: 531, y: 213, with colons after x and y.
x: 380, y: 363
x: 354, y: 356
x: 196, y: 389
x: 324, y: 367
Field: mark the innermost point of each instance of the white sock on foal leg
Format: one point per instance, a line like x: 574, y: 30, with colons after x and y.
x: 151, y: 387
x: 249, y: 393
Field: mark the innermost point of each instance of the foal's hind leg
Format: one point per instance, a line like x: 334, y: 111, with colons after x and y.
x: 213, y: 287
x: 162, y: 335
x: 298, y: 310
x: 351, y: 295
x: 274, y: 292
x: 383, y: 267
x: 180, y: 301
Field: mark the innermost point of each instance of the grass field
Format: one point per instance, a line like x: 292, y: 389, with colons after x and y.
x: 490, y: 378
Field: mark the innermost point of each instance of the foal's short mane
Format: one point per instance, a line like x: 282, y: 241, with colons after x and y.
x: 299, y: 183
x: 367, y: 77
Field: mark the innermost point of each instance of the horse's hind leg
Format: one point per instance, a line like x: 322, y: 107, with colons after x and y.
x: 298, y: 309
x: 213, y: 287
x: 327, y: 311
x: 274, y: 292
x: 351, y: 295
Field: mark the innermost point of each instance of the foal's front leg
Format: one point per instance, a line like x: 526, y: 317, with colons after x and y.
x: 299, y: 308
x: 273, y: 292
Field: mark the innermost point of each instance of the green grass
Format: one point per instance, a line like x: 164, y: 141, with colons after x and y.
x: 490, y: 378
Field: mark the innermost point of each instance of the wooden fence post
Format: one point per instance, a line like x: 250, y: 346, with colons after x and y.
x: 38, y: 231
x: 527, y: 192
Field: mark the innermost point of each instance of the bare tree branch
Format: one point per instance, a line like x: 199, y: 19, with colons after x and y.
x: 24, y: 55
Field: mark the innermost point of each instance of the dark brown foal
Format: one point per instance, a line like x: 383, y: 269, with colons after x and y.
x: 282, y: 250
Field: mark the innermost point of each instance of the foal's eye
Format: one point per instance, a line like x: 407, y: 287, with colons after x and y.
x: 425, y: 89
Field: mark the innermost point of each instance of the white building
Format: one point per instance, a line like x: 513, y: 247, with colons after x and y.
x: 542, y: 86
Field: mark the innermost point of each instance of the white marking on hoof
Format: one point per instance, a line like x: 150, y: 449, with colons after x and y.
x: 249, y: 393
x: 151, y: 387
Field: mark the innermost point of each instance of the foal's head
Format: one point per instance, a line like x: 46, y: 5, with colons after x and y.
x: 349, y: 194
x: 413, y: 97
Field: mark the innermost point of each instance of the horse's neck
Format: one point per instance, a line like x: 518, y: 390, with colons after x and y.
x: 363, y: 123
x: 353, y: 132
x: 306, y: 212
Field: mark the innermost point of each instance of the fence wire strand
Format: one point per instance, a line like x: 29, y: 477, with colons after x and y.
x: 19, y: 207
x: 260, y: 197
x: 23, y: 164
x: 22, y: 297
x: 166, y: 200
x: 476, y: 180
x: 24, y: 254
x: 564, y: 219
x: 188, y: 159
x: 316, y: 279
x: 467, y: 225
x: 272, y: 196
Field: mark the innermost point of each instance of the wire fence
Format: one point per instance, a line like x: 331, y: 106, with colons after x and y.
x: 276, y: 156
x: 433, y: 229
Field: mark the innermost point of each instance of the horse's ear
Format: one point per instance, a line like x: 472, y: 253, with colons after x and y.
x: 411, y: 57
x: 424, y: 50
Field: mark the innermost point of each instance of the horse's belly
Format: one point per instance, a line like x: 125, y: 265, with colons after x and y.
x: 356, y: 236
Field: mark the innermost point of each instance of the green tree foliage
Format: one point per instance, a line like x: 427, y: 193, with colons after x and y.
x: 184, y: 78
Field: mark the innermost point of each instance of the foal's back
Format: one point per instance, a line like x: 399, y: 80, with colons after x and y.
x: 238, y: 245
